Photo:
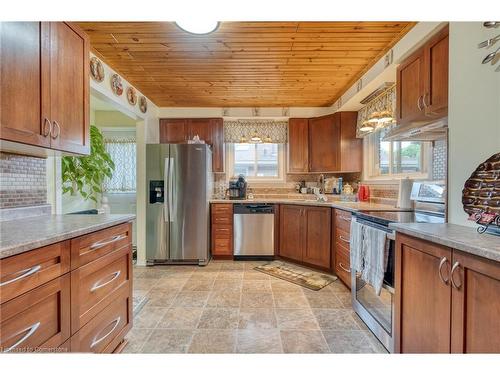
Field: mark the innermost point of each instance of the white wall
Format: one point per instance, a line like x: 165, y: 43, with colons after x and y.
x: 474, y: 110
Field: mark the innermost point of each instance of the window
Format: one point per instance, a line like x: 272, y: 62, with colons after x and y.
x: 123, y: 154
x: 259, y: 161
x: 396, y: 158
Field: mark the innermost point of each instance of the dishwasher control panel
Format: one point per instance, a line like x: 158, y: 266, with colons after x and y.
x: 258, y: 208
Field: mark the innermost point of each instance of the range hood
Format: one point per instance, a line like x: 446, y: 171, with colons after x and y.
x: 419, y: 132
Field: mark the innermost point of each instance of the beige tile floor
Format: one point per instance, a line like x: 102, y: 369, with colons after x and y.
x: 227, y: 307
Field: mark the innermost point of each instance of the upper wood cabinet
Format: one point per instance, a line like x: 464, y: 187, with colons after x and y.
x: 305, y: 234
x: 333, y: 146
x: 298, y: 145
x: 446, y: 300
x: 211, y: 130
x: 44, y: 85
x: 324, y: 136
x: 422, y: 82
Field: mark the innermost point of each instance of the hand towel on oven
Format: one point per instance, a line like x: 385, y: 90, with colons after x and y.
x: 355, y: 245
x: 375, y: 256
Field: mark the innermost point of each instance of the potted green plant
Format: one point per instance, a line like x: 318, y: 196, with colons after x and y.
x: 85, y: 174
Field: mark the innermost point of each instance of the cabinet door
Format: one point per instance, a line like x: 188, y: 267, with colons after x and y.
x: 475, y: 326
x: 199, y: 127
x: 298, y: 145
x: 422, y: 301
x: 291, y: 228
x: 217, y: 140
x: 436, y: 75
x: 324, y: 138
x: 69, y: 88
x: 410, y: 89
x: 172, y: 130
x: 24, y: 78
x: 351, y: 148
x: 317, y: 232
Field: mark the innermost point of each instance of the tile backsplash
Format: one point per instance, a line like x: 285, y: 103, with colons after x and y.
x: 22, y: 181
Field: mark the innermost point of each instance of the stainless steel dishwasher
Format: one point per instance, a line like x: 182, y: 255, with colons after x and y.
x: 253, y: 230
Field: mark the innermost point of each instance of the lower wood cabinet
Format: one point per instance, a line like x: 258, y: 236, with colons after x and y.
x: 222, y: 230
x: 446, y: 300
x: 37, y: 320
x: 305, y: 234
x: 341, y: 252
x: 45, y: 307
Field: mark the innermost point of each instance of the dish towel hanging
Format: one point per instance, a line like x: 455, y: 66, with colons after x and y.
x: 369, y: 250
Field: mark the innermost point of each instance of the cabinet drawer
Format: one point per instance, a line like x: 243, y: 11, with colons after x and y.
x: 92, y: 246
x: 103, y: 333
x: 95, y: 285
x: 343, y: 220
x: 342, y: 264
x: 342, y: 238
x: 23, y: 272
x: 222, y: 231
x: 222, y: 209
x: 222, y: 246
x: 224, y: 220
x: 37, y: 320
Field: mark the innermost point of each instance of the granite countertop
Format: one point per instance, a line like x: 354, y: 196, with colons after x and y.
x: 21, y: 235
x: 348, y: 206
x: 455, y: 236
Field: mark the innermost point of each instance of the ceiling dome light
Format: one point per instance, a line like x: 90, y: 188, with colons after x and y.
x: 198, y: 27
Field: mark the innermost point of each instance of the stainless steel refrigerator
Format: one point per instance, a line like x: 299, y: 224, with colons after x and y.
x: 180, y: 183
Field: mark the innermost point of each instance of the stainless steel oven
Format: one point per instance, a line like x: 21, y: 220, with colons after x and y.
x: 377, y: 311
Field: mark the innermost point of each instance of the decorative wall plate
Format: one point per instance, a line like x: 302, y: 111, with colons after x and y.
x: 116, y: 84
x: 131, y: 95
x: 96, y: 69
x: 143, y: 104
x: 481, y: 193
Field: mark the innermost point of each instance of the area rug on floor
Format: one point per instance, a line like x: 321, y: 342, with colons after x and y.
x: 300, y: 276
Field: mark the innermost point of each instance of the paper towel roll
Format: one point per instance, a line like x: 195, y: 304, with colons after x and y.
x: 404, y: 192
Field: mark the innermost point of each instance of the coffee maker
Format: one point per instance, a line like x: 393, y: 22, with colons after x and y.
x: 237, y: 188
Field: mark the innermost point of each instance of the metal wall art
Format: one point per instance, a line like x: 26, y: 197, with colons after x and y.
x: 493, y: 57
x: 143, y: 104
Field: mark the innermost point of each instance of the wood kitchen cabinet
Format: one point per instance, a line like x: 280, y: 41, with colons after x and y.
x: 75, y: 295
x: 324, y: 137
x: 305, y: 234
x: 298, y: 145
x: 333, y: 146
x: 222, y: 230
x: 208, y: 129
x: 44, y: 85
x: 446, y: 300
x: 422, y: 82
x: 341, y: 252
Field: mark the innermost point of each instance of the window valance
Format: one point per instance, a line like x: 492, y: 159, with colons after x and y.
x: 255, y: 131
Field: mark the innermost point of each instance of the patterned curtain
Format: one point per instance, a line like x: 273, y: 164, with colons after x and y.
x: 123, y: 154
x: 269, y: 131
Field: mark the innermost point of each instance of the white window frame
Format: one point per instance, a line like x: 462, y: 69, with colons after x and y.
x: 280, y: 179
x: 371, y: 169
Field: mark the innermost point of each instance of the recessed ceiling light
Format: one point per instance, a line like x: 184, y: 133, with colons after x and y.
x: 198, y: 26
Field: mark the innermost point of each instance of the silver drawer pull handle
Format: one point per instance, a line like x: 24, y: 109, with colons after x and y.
x: 97, y: 285
x: 345, y: 240
x: 444, y: 260
x: 100, y: 244
x: 452, y: 274
x: 345, y: 218
x: 345, y: 269
x: 31, y: 330
x: 24, y: 273
x: 96, y: 341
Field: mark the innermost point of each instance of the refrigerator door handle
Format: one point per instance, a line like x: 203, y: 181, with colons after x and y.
x: 170, y: 188
x: 166, y: 174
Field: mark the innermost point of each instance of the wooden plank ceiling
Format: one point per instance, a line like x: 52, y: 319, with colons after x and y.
x: 244, y: 64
